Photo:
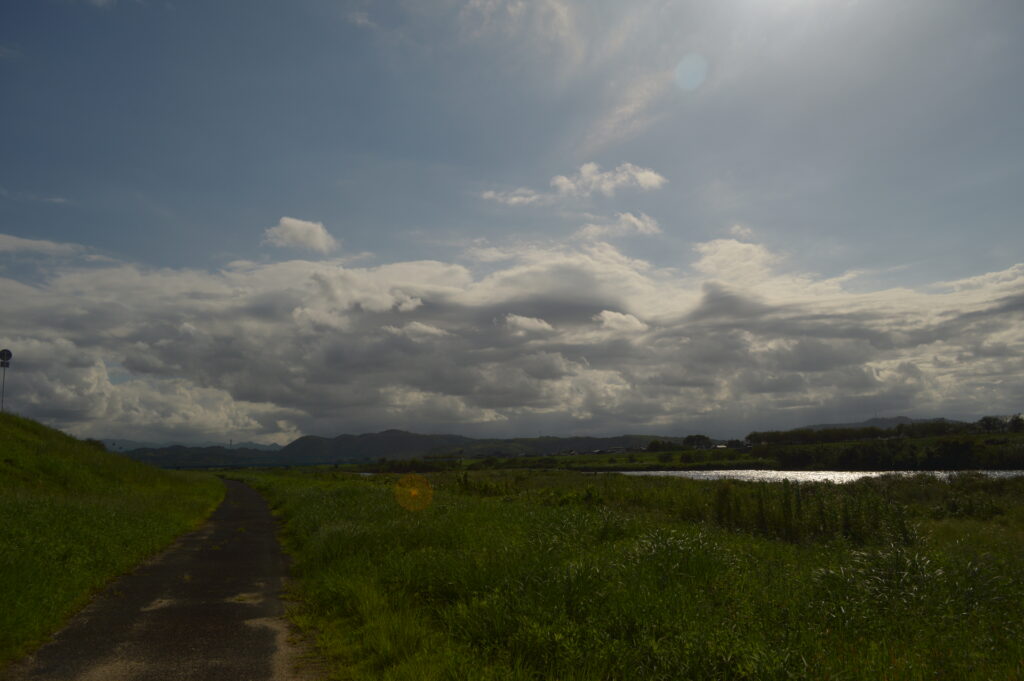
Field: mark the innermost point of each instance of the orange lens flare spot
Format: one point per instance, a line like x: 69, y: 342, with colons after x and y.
x: 413, y: 492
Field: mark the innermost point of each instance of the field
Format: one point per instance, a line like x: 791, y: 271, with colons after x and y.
x: 564, y: 575
x: 72, y: 517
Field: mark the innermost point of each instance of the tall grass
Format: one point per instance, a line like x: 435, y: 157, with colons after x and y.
x: 566, y: 576
x: 72, y: 516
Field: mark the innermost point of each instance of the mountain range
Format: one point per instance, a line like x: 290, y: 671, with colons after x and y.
x: 400, y: 445
x: 884, y: 423
x: 114, y: 445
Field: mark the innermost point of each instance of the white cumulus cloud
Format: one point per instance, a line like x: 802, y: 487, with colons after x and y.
x: 584, y: 183
x: 523, y: 325
x: 624, y: 224
x: 741, y: 232
x: 590, y: 179
x: 618, y: 321
x: 294, y: 233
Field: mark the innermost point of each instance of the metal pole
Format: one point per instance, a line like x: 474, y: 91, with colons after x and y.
x: 3, y: 389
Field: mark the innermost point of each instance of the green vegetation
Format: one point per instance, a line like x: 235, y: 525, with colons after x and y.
x: 947, y: 452
x: 964, y: 448
x: 986, y: 425
x: 72, y: 516
x: 560, y: 575
x: 618, y: 460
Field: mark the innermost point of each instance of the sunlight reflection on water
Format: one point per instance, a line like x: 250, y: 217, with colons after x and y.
x: 808, y: 476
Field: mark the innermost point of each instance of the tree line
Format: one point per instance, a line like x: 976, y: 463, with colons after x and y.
x: 936, y: 428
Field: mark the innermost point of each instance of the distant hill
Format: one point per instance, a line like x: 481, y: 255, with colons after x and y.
x: 883, y: 422
x: 180, y: 456
x: 389, y: 444
x: 116, y: 445
x: 401, y: 445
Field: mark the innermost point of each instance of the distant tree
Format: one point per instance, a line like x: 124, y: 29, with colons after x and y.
x: 1016, y: 424
x: 659, y: 446
x: 953, y: 453
x: 768, y: 437
x: 991, y: 424
x: 734, y: 444
x: 696, y: 442
x: 933, y: 428
x: 665, y: 457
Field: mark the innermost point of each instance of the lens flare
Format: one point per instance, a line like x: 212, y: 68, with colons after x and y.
x: 413, y: 492
x: 692, y: 71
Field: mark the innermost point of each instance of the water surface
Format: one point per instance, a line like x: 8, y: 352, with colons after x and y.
x: 807, y: 476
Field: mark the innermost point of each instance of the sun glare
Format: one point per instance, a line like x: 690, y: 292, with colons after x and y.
x: 413, y: 492
x: 692, y: 71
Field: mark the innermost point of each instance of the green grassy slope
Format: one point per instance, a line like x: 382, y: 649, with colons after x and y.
x: 72, y: 516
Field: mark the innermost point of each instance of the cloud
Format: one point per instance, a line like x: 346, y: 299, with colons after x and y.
x: 544, y: 29
x: 360, y: 18
x: 14, y: 244
x: 617, y: 321
x: 741, y: 232
x: 517, y: 197
x: 570, y: 337
x: 625, y: 224
x: 590, y: 179
x: 727, y: 256
x: 628, y: 111
x: 293, y: 233
x: 23, y: 196
x: 521, y: 326
x: 584, y: 183
x: 417, y: 331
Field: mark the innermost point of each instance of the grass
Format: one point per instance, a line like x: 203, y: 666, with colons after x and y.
x: 560, y: 575
x: 73, y: 516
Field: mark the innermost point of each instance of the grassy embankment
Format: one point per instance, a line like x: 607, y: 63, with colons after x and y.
x: 72, y: 516
x: 557, y: 575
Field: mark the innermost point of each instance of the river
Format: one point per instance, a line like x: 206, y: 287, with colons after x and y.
x: 807, y: 476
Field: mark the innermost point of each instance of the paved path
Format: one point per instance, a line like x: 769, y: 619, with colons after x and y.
x: 207, y: 609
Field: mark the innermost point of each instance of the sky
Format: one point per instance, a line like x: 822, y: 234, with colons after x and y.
x: 256, y: 219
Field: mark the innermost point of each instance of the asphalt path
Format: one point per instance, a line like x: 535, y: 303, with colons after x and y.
x: 208, y: 608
